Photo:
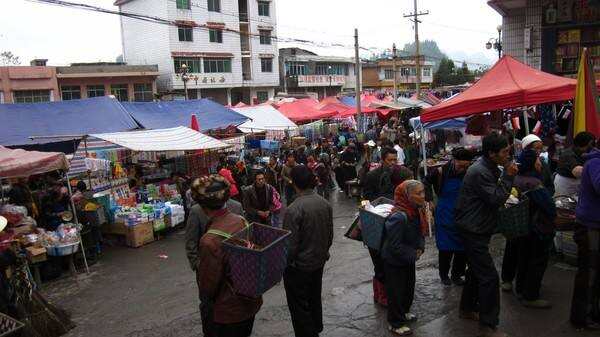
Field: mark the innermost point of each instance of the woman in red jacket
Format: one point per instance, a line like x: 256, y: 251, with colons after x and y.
x: 226, y: 173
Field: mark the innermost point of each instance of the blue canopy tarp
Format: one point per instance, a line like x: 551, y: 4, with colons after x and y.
x: 453, y: 123
x: 349, y: 101
x: 170, y: 114
x: 78, y: 117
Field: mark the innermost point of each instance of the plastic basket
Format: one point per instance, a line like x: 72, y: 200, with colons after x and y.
x: 372, y: 224
x: 63, y: 250
x: 9, y: 325
x: 513, y: 221
x: 253, y: 272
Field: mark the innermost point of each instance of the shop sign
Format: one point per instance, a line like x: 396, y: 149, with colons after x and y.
x: 321, y: 80
x: 571, y: 11
x: 212, y: 80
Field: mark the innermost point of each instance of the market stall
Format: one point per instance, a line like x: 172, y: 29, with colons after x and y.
x: 65, y: 240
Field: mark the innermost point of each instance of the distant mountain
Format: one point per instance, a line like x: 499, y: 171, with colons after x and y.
x: 429, y: 48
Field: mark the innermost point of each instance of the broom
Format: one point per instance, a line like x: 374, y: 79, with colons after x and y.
x: 41, y: 318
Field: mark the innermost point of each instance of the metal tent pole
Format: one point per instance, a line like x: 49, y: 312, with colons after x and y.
x: 87, y: 268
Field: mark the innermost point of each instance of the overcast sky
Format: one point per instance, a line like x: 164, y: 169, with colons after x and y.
x: 63, y: 35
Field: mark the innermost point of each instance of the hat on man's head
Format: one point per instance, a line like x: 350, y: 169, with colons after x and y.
x: 528, y: 140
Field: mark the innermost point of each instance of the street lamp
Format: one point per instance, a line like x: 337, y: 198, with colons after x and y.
x: 330, y: 77
x: 185, y: 77
x: 496, y: 43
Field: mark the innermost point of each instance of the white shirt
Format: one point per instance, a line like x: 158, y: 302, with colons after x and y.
x: 401, y: 156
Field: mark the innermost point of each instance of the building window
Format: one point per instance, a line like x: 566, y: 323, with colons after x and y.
x: 31, y: 96
x: 214, y: 5
x: 183, y: 4
x: 69, y: 92
x: 217, y: 65
x: 120, y: 92
x: 215, y: 35
x: 294, y: 69
x: 186, y: 34
x: 263, y: 8
x: 388, y: 74
x: 262, y: 96
x: 266, y: 65
x: 194, y: 64
x: 331, y: 69
x: 95, y: 90
x: 265, y: 36
x: 427, y: 72
x: 413, y: 71
x: 142, y: 92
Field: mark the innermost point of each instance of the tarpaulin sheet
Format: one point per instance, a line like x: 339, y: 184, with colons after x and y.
x: 264, y: 118
x: 170, y: 114
x: 351, y: 103
x: 172, y: 139
x: 21, y: 163
x: 301, y: 111
x: 80, y: 117
x: 509, y: 84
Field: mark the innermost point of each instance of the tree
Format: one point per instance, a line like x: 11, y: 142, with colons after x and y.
x: 7, y: 58
x: 445, y: 73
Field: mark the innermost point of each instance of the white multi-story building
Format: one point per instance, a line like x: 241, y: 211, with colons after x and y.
x: 228, y: 46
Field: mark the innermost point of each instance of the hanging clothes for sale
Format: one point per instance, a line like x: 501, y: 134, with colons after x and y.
x: 548, y: 119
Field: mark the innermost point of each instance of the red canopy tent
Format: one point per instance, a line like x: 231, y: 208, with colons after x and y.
x: 21, y: 163
x: 509, y: 84
x: 302, y: 110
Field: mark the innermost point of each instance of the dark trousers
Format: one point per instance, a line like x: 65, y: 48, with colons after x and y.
x: 400, y: 289
x: 323, y: 190
x: 534, y: 253
x: 377, y: 265
x: 303, y: 292
x: 455, y: 259
x: 586, y: 292
x: 290, y: 194
x: 206, y: 315
x: 510, y: 260
x: 241, y: 329
x: 481, y: 292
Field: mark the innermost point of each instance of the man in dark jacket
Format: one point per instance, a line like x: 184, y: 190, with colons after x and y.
x: 258, y: 199
x: 379, y: 181
x: 587, y: 236
x: 310, y: 219
x: 485, y: 189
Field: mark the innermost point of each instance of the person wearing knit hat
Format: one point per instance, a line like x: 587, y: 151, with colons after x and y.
x: 446, y: 181
x: 531, y: 142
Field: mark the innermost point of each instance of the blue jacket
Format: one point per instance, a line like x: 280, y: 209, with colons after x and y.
x: 402, y: 239
x: 588, y: 210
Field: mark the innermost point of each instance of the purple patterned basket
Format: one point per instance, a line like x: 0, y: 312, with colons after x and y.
x: 253, y: 272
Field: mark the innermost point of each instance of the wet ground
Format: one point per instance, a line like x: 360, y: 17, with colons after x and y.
x: 140, y: 293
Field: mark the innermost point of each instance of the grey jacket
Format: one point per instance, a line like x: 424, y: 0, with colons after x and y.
x: 196, y: 227
x: 483, y: 192
x: 310, y: 219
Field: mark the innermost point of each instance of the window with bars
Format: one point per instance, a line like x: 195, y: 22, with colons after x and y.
x: 331, y: 69
x: 194, y: 64
x: 183, y: 4
x: 264, y: 8
x: 293, y: 69
x: 404, y: 71
x: 427, y: 71
x: 413, y: 71
x: 95, y: 90
x: 265, y: 36
x: 262, y: 96
x: 120, y: 92
x: 142, y: 92
x: 31, y: 96
x: 388, y: 74
x: 69, y: 92
x: 215, y: 35
x: 214, y: 5
x: 266, y: 65
x: 217, y: 65
x: 186, y: 33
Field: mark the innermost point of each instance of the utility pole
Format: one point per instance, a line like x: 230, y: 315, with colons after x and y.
x: 395, y: 71
x: 415, y: 18
x: 358, y: 83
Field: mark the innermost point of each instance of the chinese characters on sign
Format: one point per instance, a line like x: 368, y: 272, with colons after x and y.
x: 206, y: 79
x: 321, y: 80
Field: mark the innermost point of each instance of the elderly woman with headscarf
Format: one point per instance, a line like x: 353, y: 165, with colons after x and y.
x: 226, y: 313
x: 402, y: 247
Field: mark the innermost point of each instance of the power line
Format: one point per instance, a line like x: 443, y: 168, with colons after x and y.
x: 204, y: 27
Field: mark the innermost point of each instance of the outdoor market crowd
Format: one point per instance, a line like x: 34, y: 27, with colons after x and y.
x: 464, y: 197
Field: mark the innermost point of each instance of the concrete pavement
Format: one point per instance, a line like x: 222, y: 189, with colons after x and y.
x: 138, y: 293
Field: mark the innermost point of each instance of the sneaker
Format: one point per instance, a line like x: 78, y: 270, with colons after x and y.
x: 401, y: 331
x: 446, y: 281
x: 469, y: 315
x: 486, y: 331
x: 589, y: 325
x: 537, y: 304
x: 410, y: 317
x: 506, y: 286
